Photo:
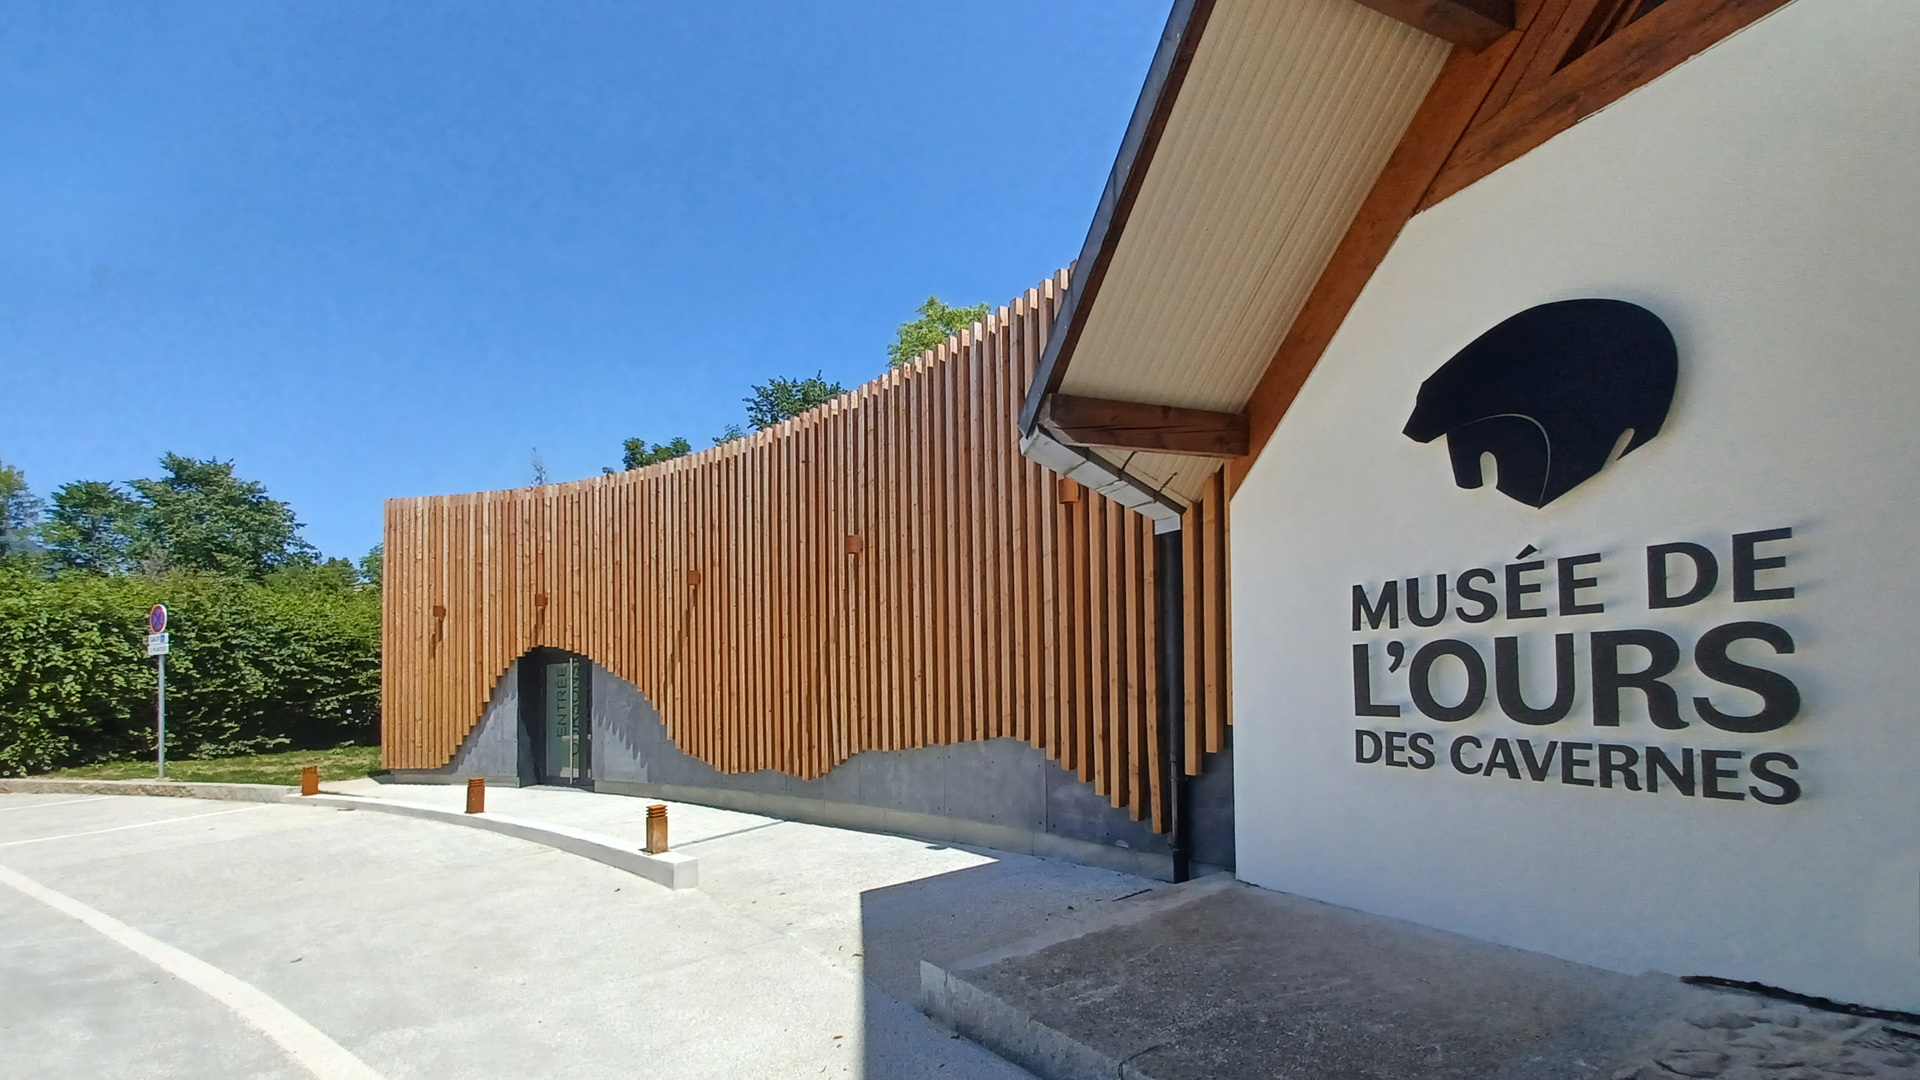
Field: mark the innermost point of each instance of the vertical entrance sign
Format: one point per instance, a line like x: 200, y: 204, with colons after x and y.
x: 157, y: 643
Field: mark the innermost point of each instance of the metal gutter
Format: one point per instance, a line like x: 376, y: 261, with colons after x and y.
x: 1083, y: 466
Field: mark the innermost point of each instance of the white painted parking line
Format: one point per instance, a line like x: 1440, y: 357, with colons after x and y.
x: 135, y: 825
x: 62, y: 802
x: 305, y: 1044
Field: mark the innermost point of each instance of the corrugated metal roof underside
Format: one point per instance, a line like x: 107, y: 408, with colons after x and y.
x: 1288, y: 113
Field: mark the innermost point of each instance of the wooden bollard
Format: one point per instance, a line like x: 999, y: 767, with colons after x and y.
x: 310, y: 780
x: 656, y: 828
x: 476, y: 794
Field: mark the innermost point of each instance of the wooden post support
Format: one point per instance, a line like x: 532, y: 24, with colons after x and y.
x: 310, y: 780
x: 476, y: 794
x: 1473, y: 24
x: 1134, y: 425
x: 656, y: 828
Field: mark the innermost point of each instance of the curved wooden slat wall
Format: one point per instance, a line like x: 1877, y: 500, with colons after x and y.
x: 881, y: 573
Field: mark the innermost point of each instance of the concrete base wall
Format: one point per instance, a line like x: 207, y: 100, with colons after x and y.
x: 998, y: 793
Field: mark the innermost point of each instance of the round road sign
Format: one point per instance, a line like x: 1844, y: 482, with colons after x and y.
x: 157, y: 619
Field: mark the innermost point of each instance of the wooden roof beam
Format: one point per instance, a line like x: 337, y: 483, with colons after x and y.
x: 1473, y: 24
x: 1134, y: 425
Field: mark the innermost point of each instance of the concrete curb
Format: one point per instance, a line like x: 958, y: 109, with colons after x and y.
x: 174, y: 788
x: 934, y: 827
x: 1012, y: 1032
x: 435, y: 776
x: 672, y: 869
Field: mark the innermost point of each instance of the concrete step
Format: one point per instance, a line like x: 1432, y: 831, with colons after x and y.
x: 1220, y: 980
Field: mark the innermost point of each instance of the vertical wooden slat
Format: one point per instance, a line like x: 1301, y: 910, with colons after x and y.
x: 1222, y: 628
x: 883, y: 542
x: 1103, y: 589
x: 1127, y: 637
x: 1139, y: 662
x: 1011, y: 645
x: 1213, y: 589
x: 1145, y: 723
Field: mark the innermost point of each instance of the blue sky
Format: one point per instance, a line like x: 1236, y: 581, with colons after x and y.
x: 373, y: 249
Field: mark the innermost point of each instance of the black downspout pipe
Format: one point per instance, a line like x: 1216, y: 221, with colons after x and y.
x: 1170, y: 617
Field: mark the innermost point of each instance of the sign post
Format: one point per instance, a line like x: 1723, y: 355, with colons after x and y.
x: 157, y: 643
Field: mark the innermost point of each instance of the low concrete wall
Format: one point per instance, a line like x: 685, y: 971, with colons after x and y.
x: 669, y: 868
x: 175, y: 788
x: 447, y: 776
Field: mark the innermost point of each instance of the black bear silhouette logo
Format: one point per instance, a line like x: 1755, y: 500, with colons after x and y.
x: 1548, y: 393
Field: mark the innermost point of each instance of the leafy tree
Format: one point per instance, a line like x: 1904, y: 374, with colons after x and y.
x: 19, y: 509
x: 636, y: 454
x: 341, y: 572
x: 91, y: 527
x: 784, y: 399
x: 200, y: 516
x: 937, y: 323
x: 729, y: 433
x: 371, y: 565
x: 334, y: 575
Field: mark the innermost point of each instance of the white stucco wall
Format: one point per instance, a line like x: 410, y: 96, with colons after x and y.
x: 1764, y: 199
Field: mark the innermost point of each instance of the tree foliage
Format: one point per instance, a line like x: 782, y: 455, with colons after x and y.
x: 372, y: 563
x: 19, y: 509
x: 937, y: 323
x: 196, y: 516
x: 200, y: 516
x: 636, y: 454
x: 288, y: 662
x: 784, y: 399
x: 91, y: 527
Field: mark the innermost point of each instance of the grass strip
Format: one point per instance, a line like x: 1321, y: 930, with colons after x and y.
x: 341, y: 763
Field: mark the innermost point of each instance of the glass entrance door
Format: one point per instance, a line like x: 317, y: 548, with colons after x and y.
x: 566, y: 751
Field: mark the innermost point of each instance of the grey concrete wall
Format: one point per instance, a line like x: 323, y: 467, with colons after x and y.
x: 1001, y: 782
x: 1211, y: 802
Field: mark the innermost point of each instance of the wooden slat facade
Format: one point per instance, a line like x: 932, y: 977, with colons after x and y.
x: 884, y: 572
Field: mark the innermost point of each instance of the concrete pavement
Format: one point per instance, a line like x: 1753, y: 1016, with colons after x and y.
x: 429, y: 951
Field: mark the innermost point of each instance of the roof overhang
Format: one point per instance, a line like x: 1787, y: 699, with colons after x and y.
x: 1261, y: 129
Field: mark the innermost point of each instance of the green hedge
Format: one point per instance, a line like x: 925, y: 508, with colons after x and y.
x: 255, y: 667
